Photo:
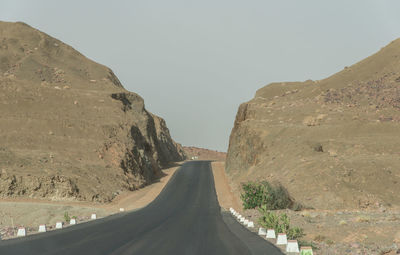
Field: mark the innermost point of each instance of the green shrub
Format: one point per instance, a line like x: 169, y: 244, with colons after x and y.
x: 253, y: 195
x: 281, y: 223
x: 275, y: 197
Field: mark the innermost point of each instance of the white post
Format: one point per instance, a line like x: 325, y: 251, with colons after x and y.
x: 59, y: 225
x: 21, y: 232
x: 262, y: 232
x: 42, y: 228
x: 271, y: 233
x: 93, y: 217
x: 292, y: 246
x: 282, y: 239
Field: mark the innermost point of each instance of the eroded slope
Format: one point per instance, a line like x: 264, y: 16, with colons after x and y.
x: 333, y: 143
x: 68, y: 128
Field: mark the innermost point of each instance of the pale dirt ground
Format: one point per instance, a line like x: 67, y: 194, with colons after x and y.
x: 225, y: 195
x: 30, y: 213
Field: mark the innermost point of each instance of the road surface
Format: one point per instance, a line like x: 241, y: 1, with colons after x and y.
x: 184, y: 219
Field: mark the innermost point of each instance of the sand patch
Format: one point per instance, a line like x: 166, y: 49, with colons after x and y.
x: 226, y: 198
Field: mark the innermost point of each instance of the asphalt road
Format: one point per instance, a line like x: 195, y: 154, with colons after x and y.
x: 184, y: 219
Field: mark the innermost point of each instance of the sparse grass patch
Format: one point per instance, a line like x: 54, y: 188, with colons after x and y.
x: 319, y: 238
x: 329, y: 242
x: 363, y: 218
x: 308, y: 218
x: 280, y: 223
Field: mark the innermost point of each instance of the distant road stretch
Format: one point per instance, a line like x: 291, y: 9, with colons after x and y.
x: 184, y: 219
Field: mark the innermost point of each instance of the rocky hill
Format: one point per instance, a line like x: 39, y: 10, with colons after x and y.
x: 68, y: 128
x: 333, y: 143
x: 204, y: 154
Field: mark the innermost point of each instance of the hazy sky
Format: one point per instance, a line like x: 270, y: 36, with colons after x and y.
x: 194, y: 62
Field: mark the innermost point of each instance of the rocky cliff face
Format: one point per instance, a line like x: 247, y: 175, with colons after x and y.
x: 68, y: 128
x: 332, y: 143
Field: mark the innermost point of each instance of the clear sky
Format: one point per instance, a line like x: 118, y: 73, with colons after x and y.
x: 194, y: 62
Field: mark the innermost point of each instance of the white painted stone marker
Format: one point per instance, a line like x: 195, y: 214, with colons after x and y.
x: 239, y: 216
x: 42, y: 228
x: 59, y: 225
x: 292, y: 246
x: 271, y: 233
x: 242, y: 219
x: 121, y: 209
x: 245, y: 222
x: 250, y: 224
x: 306, y: 250
x: 72, y: 221
x: 93, y: 217
x: 282, y: 239
x: 262, y: 232
x: 21, y: 232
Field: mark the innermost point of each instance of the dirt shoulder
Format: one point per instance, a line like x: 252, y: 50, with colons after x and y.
x: 30, y: 213
x: 140, y: 198
x: 225, y: 195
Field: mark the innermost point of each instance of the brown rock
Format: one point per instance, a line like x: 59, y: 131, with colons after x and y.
x: 131, y: 143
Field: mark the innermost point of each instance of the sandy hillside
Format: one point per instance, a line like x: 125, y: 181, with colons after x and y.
x: 332, y: 143
x: 204, y: 154
x: 68, y: 129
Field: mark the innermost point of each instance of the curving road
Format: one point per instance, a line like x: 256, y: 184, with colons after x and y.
x: 184, y: 219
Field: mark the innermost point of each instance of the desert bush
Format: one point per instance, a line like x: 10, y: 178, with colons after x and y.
x: 308, y: 243
x: 66, y: 217
x: 253, y: 195
x: 297, y: 206
x: 274, y: 197
x: 281, y: 223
